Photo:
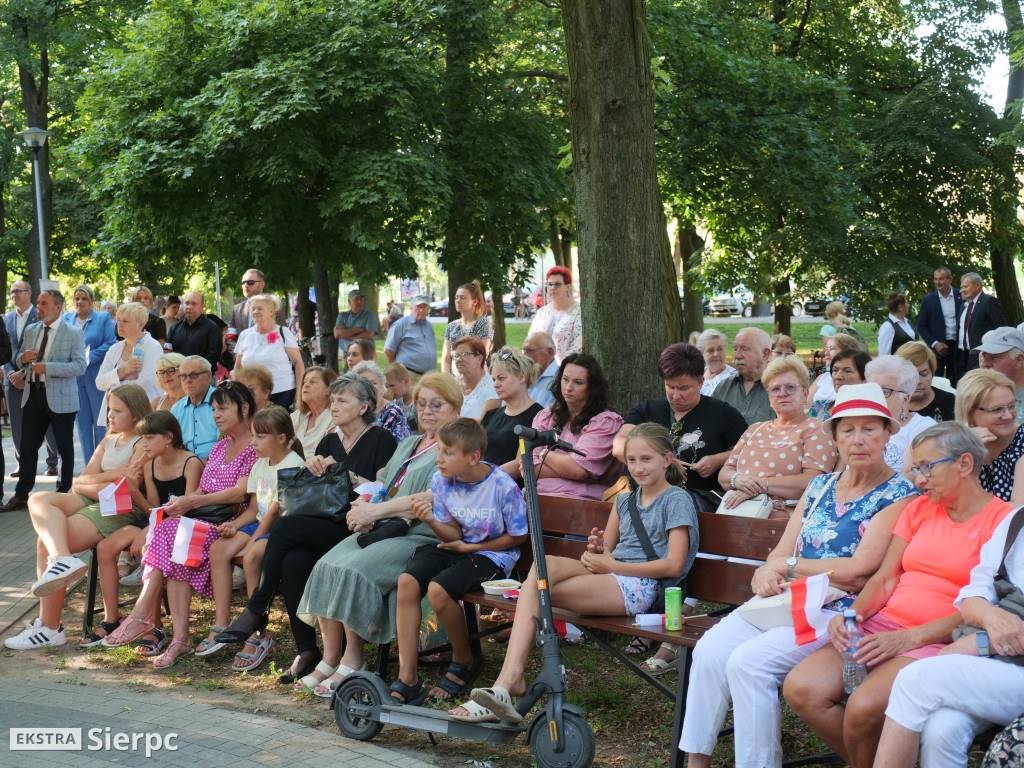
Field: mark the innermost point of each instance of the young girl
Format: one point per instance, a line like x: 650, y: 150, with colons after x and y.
x: 277, y: 447
x: 168, y: 470
x: 613, y: 577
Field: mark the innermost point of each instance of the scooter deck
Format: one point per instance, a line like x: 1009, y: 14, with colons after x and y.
x: 436, y: 721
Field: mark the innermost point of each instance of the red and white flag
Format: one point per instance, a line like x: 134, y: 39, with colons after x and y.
x: 188, y: 542
x: 156, y: 516
x: 809, y: 622
x: 115, y: 499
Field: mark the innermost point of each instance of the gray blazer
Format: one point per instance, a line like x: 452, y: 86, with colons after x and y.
x: 64, y: 364
x: 11, y: 323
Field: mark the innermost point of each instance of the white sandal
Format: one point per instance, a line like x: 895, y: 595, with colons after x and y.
x: 327, y: 687
x: 309, y: 682
x: 478, y: 713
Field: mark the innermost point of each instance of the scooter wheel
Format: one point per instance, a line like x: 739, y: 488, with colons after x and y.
x: 578, y: 739
x: 357, y: 706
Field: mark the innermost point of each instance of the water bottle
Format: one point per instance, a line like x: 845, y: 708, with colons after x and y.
x: 137, y: 351
x: 853, y: 671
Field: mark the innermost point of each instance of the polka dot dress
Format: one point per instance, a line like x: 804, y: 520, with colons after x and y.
x: 997, y: 477
x: 217, y: 476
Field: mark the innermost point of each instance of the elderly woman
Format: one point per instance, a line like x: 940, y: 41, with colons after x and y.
x: 782, y: 345
x: 939, y: 705
x: 273, y: 346
x: 712, y: 345
x: 98, y: 331
x: 390, y: 416
x: 296, y: 543
x: 985, y: 403
x: 359, y: 350
x: 560, y: 317
x: 167, y: 366
x: 312, y: 415
x: 779, y: 457
x: 582, y: 412
x: 356, y: 587
x: 737, y: 661
x: 513, y: 374
x: 155, y: 325
x: 905, y: 610
x: 895, y: 331
x: 937, y: 404
x: 823, y: 390
x: 898, y: 379
x: 470, y: 356
x: 473, y: 321
x: 131, y: 359
x: 224, y: 481
x: 259, y: 381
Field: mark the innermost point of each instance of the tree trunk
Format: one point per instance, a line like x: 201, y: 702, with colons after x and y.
x: 689, y: 246
x: 327, y: 312
x: 371, y: 297
x: 783, y: 308
x: 306, y: 325
x: 1006, y: 232
x: 629, y: 298
x: 556, y: 242
x: 498, y: 315
x: 456, y: 277
x: 566, y: 240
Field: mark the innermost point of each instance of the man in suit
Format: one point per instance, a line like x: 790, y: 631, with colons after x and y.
x: 253, y: 284
x: 196, y: 334
x: 15, y: 322
x: 936, y: 323
x: 981, y: 313
x: 52, y: 354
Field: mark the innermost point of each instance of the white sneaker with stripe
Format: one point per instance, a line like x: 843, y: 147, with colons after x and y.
x: 35, y: 635
x: 60, y: 571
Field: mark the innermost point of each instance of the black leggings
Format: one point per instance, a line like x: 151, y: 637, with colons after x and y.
x: 294, y: 546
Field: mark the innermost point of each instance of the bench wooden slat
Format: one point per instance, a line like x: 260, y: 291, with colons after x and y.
x: 576, y: 516
x: 733, y: 536
x: 720, y: 581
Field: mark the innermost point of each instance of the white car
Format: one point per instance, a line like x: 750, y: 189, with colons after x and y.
x: 739, y: 301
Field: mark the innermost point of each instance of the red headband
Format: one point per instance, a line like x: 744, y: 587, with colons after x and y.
x: 868, y: 404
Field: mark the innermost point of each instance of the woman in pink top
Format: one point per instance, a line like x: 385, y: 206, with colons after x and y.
x: 905, y: 610
x: 582, y: 412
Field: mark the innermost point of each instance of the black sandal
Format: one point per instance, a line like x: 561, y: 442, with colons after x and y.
x: 452, y: 689
x: 93, y: 639
x: 411, y: 694
x: 303, y: 664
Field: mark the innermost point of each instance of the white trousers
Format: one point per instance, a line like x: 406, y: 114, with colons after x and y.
x: 737, y: 661
x: 950, y: 699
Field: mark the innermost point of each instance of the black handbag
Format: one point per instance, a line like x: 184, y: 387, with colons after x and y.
x: 328, y: 497
x: 658, y: 606
x: 214, y: 514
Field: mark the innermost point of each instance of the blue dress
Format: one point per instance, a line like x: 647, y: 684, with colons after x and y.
x: 98, y: 333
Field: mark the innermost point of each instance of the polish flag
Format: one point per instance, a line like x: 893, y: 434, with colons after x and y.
x: 809, y: 622
x: 156, y: 516
x: 115, y: 499
x: 188, y: 542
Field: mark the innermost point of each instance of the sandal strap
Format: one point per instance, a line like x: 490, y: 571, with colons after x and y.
x: 407, y: 692
x: 449, y: 686
x: 457, y: 669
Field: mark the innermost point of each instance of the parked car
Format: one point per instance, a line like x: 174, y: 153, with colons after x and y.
x: 738, y: 301
x: 439, y: 308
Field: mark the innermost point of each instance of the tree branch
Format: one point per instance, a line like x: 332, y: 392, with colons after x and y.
x: 538, y: 73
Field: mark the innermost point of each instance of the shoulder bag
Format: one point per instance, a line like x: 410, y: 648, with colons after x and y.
x: 759, y: 506
x: 215, y: 513
x: 328, y: 497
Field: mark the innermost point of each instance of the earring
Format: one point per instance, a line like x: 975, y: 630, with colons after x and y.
x: 904, y: 416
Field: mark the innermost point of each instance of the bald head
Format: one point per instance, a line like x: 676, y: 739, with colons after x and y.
x: 751, y: 350
x: 193, y: 303
x: 540, y: 348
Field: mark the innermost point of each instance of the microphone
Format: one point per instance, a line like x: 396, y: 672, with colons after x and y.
x: 548, y: 438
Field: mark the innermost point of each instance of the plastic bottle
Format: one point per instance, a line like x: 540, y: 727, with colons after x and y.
x: 853, y: 671
x: 137, y: 351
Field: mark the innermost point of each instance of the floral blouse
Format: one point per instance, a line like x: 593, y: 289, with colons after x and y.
x: 392, y: 418
x: 482, y: 329
x: 566, y: 328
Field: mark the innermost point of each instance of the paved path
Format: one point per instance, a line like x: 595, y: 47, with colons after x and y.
x: 206, y: 736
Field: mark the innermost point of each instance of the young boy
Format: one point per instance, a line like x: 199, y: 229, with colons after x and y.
x: 398, y: 388
x: 479, y: 514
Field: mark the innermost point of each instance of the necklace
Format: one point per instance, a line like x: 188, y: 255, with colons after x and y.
x: 842, y: 507
x: 348, y: 448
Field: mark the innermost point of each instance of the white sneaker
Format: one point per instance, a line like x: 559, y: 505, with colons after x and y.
x: 133, y: 579
x: 35, y: 635
x: 60, y: 571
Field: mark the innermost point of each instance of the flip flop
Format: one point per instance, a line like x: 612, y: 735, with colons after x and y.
x: 326, y: 689
x: 655, y: 666
x: 263, y: 646
x: 497, y: 700
x: 477, y: 714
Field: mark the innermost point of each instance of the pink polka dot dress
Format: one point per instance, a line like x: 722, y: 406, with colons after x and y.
x: 217, y: 476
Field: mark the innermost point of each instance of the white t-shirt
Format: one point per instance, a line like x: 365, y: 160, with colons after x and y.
x: 267, y: 350
x: 898, y: 443
x: 263, y: 481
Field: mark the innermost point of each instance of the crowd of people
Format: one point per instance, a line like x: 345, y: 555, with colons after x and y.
x: 895, y: 480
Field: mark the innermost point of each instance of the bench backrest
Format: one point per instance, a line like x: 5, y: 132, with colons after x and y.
x: 720, y: 535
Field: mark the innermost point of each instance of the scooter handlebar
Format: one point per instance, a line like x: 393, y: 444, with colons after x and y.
x: 548, y: 437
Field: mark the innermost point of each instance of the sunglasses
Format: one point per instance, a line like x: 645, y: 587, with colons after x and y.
x: 251, y: 282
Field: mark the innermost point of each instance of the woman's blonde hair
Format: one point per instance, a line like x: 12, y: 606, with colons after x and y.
x: 256, y: 374
x: 660, y: 440
x: 133, y: 311
x: 140, y: 290
x: 473, y: 289
x: 267, y: 298
x: 515, y: 362
x: 134, y: 398
x: 781, y: 365
x: 172, y: 359
x: 784, y: 341
x: 845, y: 341
x: 917, y: 352
x: 972, y: 390
x: 446, y: 385
x: 835, y: 313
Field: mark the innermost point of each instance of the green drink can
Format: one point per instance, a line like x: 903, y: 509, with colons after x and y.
x: 673, y: 608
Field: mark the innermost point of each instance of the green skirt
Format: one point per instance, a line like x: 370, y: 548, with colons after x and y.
x: 107, y: 525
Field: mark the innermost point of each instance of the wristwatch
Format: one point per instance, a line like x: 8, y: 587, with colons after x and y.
x: 791, y: 566
x: 982, y: 638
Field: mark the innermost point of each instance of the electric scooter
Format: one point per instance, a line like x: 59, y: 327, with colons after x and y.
x: 558, y: 735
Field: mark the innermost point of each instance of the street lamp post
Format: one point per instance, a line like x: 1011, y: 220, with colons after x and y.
x: 36, y: 139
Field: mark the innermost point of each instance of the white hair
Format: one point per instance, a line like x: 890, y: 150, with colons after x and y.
x: 707, y: 335
x: 891, y: 365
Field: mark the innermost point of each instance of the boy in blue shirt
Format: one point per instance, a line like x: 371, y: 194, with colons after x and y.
x: 479, y: 514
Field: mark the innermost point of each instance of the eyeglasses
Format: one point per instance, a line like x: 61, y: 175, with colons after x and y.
x: 20, y: 290
x: 554, y: 285
x: 1000, y: 410
x: 788, y: 389
x: 251, y: 282
x: 531, y: 350
x: 889, y: 392
x: 167, y: 372
x: 434, y: 406
x: 193, y: 376
x: 463, y: 355
x: 925, y: 470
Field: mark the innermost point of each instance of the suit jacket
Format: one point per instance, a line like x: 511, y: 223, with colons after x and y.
x: 97, y: 335
x: 240, y: 319
x: 65, y: 362
x: 987, y: 316
x: 11, y: 326
x: 931, y: 325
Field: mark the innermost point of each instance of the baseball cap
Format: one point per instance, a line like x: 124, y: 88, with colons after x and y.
x: 419, y: 300
x: 355, y: 294
x: 1001, y: 340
